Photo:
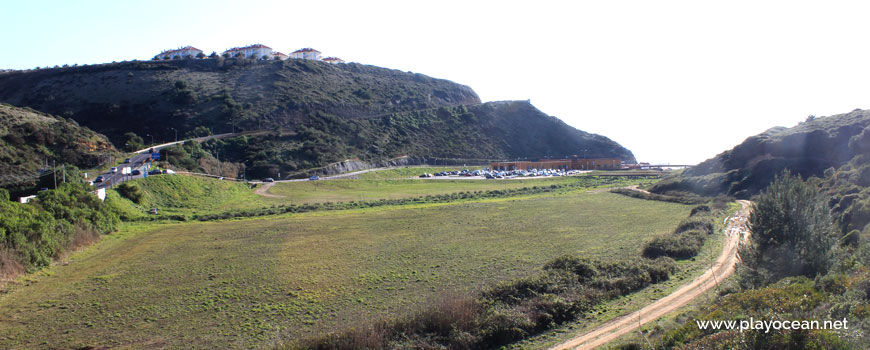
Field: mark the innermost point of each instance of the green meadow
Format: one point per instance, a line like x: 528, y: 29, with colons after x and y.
x: 250, y: 282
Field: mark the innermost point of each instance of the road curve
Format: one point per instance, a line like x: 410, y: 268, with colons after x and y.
x: 736, y: 232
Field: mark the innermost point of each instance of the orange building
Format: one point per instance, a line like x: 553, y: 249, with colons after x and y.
x: 561, y: 164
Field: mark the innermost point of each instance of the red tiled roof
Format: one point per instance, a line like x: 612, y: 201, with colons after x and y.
x: 186, y: 48
x: 333, y: 59
x: 307, y: 49
x: 276, y: 53
x: 255, y: 46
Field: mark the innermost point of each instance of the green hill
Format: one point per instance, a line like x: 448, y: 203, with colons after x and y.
x: 151, y: 97
x: 326, y: 113
x: 807, y: 149
x: 29, y: 139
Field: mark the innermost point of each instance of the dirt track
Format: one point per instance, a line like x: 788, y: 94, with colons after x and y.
x: 736, y: 232
x: 262, y: 190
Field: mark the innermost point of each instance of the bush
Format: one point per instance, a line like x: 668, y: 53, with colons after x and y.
x: 792, y: 233
x: 131, y: 192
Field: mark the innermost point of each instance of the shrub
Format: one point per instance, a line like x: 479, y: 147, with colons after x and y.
x: 131, y: 192
x: 792, y: 233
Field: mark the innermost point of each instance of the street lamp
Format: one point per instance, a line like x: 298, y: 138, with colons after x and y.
x: 152, y: 138
x: 176, y: 134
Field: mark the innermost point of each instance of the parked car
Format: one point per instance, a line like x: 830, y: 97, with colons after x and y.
x: 268, y: 179
x: 99, y: 179
x: 168, y: 171
x: 426, y: 175
x: 126, y: 160
x: 154, y: 172
x: 135, y: 172
x: 314, y: 178
x: 114, y: 170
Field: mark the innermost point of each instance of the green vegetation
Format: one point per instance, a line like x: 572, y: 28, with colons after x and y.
x: 239, y: 283
x: 32, y: 235
x: 797, y: 230
x: 366, y: 190
x: 510, y: 311
x: 321, y: 113
x: 407, y: 172
x: 29, y: 139
x: 682, y: 197
x: 807, y: 149
x: 792, y: 233
x: 687, y: 239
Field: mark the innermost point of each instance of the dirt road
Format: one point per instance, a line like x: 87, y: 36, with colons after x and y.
x: 736, y: 232
x: 262, y: 190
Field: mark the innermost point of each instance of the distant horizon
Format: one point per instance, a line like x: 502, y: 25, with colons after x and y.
x: 676, y: 81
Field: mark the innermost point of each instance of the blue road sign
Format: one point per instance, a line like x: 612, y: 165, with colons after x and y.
x: 155, y: 156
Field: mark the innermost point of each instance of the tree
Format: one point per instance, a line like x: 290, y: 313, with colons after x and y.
x: 213, y: 54
x: 792, y: 233
x: 200, y: 55
x: 133, y: 142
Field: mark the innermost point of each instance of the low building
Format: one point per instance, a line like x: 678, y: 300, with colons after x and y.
x: 256, y: 51
x: 561, y: 164
x: 279, y: 56
x: 183, y: 52
x: 333, y: 60
x: 306, y: 54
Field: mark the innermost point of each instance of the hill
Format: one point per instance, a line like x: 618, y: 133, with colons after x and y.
x: 151, y: 97
x: 29, y: 139
x: 327, y: 112
x: 807, y: 149
x: 500, y: 130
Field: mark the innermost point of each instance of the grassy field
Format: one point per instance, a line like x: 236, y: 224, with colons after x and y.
x: 404, y: 173
x: 244, y: 283
x: 364, y: 190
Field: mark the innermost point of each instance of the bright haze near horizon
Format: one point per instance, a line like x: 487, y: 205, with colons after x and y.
x: 673, y: 81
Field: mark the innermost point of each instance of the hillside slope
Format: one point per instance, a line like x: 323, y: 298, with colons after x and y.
x: 806, y: 149
x: 494, y: 130
x: 29, y: 138
x: 151, y: 97
x: 325, y: 113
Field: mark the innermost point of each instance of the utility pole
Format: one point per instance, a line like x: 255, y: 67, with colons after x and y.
x: 176, y: 134
x: 54, y: 172
x: 63, y: 166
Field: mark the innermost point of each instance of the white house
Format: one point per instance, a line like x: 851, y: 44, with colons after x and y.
x: 333, y: 60
x: 183, y: 52
x: 306, y: 53
x: 251, y: 51
x: 279, y: 55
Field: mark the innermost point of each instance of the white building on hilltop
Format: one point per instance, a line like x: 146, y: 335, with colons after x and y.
x: 306, y: 53
x: 257, y: 51
x: 333, y: 60
x: 184, y: 52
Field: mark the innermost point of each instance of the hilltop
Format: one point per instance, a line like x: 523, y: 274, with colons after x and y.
x: 321, y: 113
x: 150, y: 97
x: 29, y: 138
x: 807, y: 149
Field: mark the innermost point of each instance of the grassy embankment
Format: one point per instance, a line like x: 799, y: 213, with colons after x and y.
x: 245, y: 282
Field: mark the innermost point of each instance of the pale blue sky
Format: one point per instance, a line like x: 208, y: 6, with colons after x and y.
x: 674, y: 81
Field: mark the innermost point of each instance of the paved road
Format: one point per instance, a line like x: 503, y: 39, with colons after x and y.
x: 736, y: 233
x: 140, y: 159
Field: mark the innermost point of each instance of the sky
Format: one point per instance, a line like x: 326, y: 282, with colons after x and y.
x: 673, y: 81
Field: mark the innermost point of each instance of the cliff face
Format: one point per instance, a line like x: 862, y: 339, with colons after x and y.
x: 806, y: 149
